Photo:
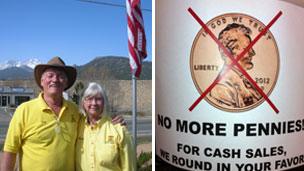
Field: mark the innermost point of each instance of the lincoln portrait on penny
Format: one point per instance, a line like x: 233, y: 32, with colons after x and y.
x: 235, y: 90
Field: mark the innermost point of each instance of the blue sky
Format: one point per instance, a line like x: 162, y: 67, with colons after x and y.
x: 74, y: 30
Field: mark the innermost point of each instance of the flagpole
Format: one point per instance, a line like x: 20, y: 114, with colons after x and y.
x: 134, y: 115
x: 137, y: 52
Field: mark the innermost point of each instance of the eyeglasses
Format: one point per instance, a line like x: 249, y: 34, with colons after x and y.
x: 91, y: 99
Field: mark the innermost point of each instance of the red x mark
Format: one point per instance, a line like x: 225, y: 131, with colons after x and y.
x: 234, y: 61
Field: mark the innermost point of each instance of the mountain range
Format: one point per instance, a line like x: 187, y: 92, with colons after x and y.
x: 30, y: 63
x: 107, y: 67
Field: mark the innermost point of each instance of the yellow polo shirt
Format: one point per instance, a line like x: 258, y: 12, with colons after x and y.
x: 44, y: 141
x: 104, y: 147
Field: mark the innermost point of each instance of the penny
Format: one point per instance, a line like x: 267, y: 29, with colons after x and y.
x: 234, y: 92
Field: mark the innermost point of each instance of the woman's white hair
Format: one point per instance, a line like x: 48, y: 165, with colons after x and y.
x: 92, y: 90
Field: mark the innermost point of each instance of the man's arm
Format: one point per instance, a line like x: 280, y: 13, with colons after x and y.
x: 8, y: 161
x: 13, y: 141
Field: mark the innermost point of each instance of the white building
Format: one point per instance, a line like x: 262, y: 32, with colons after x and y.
x: 14, y: 96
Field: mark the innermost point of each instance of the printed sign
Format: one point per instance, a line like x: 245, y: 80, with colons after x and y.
x: 228, y: 85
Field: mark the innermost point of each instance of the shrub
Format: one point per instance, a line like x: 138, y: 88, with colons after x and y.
x: 142, y: 161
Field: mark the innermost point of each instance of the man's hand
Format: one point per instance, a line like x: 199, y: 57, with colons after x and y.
x: 118, y: 119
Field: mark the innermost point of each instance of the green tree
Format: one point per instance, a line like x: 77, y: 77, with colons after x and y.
x: 77, y: 92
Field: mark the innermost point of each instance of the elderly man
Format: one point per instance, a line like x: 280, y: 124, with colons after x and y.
x: 234, y: 90
x: 43, y: 131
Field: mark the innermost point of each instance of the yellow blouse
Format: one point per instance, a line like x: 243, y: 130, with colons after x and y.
x: 104, y: 147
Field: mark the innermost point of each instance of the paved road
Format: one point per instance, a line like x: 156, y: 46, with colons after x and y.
x: 144, y: 126
x: 4, y: 122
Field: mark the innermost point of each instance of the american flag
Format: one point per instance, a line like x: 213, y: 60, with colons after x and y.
x: 136, y: 36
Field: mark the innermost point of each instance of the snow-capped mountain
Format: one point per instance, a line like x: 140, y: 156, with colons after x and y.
x: 30, y: 63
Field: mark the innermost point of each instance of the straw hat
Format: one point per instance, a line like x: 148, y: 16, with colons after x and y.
x: 56, y: 62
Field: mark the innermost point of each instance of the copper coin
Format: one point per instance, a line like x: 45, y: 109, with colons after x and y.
x: 234, y: 93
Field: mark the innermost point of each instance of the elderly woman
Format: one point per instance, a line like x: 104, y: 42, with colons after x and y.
x: 101, y: 145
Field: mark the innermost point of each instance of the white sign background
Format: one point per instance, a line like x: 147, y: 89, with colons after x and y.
x: 175, y: 30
